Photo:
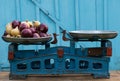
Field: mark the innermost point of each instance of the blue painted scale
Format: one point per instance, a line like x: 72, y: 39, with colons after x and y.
x: 61, y: 60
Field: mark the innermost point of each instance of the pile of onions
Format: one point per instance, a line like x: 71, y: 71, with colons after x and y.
x: 26, y: 29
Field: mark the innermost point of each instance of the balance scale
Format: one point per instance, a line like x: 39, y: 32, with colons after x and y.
x: 61, y: 60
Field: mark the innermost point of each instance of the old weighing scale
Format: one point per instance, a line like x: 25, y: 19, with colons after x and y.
x: 60, y: 60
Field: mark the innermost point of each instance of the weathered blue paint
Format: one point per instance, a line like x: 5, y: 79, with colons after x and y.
x: 51, y: 61
x: 72, y: 14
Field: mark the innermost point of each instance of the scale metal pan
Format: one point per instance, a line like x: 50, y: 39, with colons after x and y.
x: 26, y: 40
x: 89, y: 34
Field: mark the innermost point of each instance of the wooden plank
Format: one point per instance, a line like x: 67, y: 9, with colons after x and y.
x: 8, y: 13
x: 96, y: 18
x: 77, y: 15
x: 105, y: 15
x: 18, y: 15
x: 87, y: 15
x: 99, y: 10
x: 57, y: 15
x: 18, y: 10
x: 115, y: 76
x: 37, y: 18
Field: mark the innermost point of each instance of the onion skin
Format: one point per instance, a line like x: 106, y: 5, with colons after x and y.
x: 15, y: 23
x: 9, y: 28
x: 15, y: 32
x: 26, y: 33
x: 36, y: 35
x: 48, y: 35
x: 29, y: 23
x: 33, y: 30
x: 36, y: 23
x: 8, y: 36
x: 43, y: 28
x: 42, y: 34
x: 23, y: 26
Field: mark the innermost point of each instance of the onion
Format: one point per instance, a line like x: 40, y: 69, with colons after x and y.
x: 36, y: 23
x: 15, y: 23
x: 15, y: 32
x: 9, y: 28
x: 48, y: 34
x: 33, y: 30
x: 26, y: 33
x: 8, y: 36
x: 43, y: 28
x: 36, y: 35
x: 29, y: 23
x: 26, y: 29
x: 42, y: 34
x: 26, y: 22
x: 23, y: 26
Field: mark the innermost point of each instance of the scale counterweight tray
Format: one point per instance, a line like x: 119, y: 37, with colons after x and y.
x: 89, y: 34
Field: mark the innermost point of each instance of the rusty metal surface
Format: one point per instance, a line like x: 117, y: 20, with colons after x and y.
x: 96, y: 51
x: 26, y: 40
x: 88, y: 34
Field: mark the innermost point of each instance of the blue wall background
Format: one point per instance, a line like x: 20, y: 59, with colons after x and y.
x: 72, y: 14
